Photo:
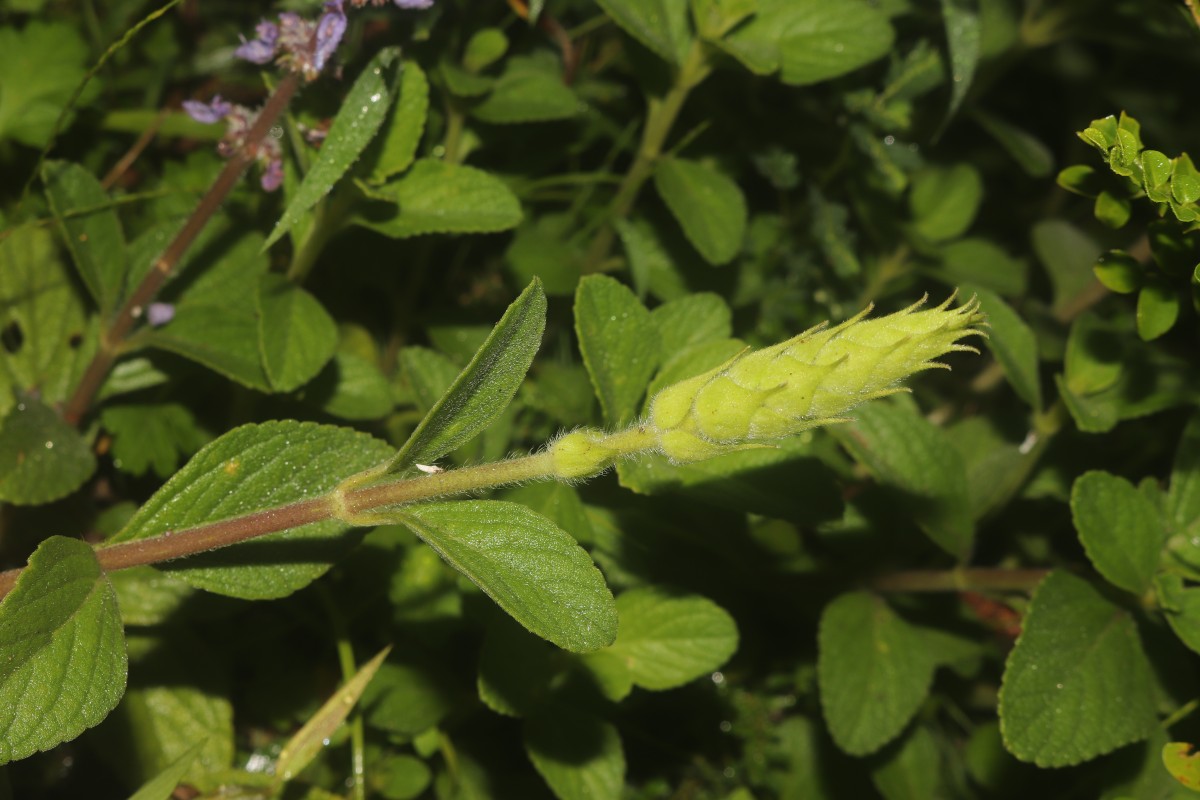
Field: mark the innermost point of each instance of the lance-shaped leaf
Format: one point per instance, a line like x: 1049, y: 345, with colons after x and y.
x: 532, y: 569
x: 303, y: 747
x: 253, y: 468
x: 485, y: 387
x: 90, y: 228
x: 162, y: 785
x: 64, y: 662
x: 364, y: 110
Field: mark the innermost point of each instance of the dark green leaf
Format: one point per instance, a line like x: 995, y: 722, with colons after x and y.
x: 980, y: 262
x: 351, y: 388
x: 531, y: 89
x: 961, y: 18
x: 908, y: 453
x: 661, y: 25
x: 42, y: 458
x: 162, y: 786
x: 1119, y: 528
x: 484, y: 48
x: 152, y: 436
x: 532, y: 569
x: 707, y: 204
x: 64, y: 652
x: 668, y: 639
x: 362, y: 113
x: 619, y: 344
x: 579, y: 755
x: 826, y: 40
x: 436, y: 197
x: 296, y: 336
x: 406, y: 698
x: 944, y: 201
x: 1078, y: 683
x: 1033, y: 156
x: 1014, y: 345
x: 911, y: 771
x: 1068, y: 254
x: 1119, y: 272
x: 874, y: 672
x: 249, y: 469
x: 396, y: 145
x: 1158, y: 307
x: 485, y: 387
x: 90, y: 228
x: 40, y: 66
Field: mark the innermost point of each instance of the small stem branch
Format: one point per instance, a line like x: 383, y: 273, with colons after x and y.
x: 345, y: 651
x: 960, y: 580
x: 110, y: 340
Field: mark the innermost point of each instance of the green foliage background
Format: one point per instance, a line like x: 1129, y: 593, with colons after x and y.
x: 986, y: 589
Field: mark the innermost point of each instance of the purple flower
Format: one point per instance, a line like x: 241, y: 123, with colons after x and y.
x: 272, y: 176
x: 208, y: 113
x: 330, y: 28
x: 414, y: 4
x: 159, y: 314
x: 262, y: 49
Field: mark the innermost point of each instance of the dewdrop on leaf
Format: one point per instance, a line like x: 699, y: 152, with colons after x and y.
x: 810, y: 380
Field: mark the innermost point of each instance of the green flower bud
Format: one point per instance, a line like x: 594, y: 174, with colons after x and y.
x: 810, y: 380
x: 581, y: 454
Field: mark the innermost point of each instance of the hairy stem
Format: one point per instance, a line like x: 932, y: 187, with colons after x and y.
x: 660, y: 118
x: 120, y: 326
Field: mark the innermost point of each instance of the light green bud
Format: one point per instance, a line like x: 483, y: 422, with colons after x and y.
x: 580, y: 455
x: 810, y: 380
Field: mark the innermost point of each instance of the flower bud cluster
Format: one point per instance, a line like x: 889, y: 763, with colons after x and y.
x: 810, y: 380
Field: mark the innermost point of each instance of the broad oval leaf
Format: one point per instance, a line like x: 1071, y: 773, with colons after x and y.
x: 1077, y: 684
x: 361, y: 114
x: 944, y: 201
x: 669, y: 639
x: 532, y: 569
x: 708, y: 205
x: 296, y: 335
x: 874, y: 671
x: 577, y: 754
x: 91, y: 229
x: 64, y: 661
x: 249, y: 469
x: 826, y: 40
x: 485, y: 387
x: 436, y: 197
x: 1119, y: 529
x: 661, y: 25
x: 530, y: 90
x: 42, y: 458
x: 619, y: 344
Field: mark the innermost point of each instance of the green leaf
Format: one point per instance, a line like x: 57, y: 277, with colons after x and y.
x: 715, y: 18
x: 577, y: 754
x: 541, y: 248
x: 517, y: 670
x: 42, y: 458
x: 484, y: 48
x: 826, y: 40
x: 437, y: 197
x: 1119, y: 528
x: 1183, y: 497
x: 485, y: 387
x: 64, y: 653
x: 1077, y: 684
x: 91, y: 229
x: 400, y: 777
x: 249, y: 469
x: 874, y: 672
x: 350, y: 387
x: 152, y: 436
x: 944, y: 201
x: 1030, y: 153
x: 651, y: 265
x: 1182, y: 761
x: 296, y: 336
x: 661, y: 25
x: 1013, y: 343
x: 1181, y: 607
x: 41, y: 310
x: 912, y: 771
x: 531, y: 89
x: 396, y: 146
x: 1185, y: 180
x: 40, y: 66
x: 428, y: 374
x: 360, y: 117
x: 162, y: 786
x: 1119, y: 272
x: 1112, y: 210
x: 905, y: 451
x: 619, y: 344
x: 531, y: 568
x: 406, y: 698
x: 707, y: 204
x: 1158, y: 308
x: 980, y: 262
x: 307, y: 742
x: 216, y: 319
x: 1068, y: 254
x: 669, y: 639
x: 961, y: 18
x: 689, y: 321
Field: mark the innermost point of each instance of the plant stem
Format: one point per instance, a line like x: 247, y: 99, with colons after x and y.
x: 960, y: 580
x: 112, y: 338
x: 660, y: 118
x: 345, y: 651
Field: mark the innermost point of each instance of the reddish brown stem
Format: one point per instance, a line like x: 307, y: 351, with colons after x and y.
x: 110, y: 341
x: 955, y: 580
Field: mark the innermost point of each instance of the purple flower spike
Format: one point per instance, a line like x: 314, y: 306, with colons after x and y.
x: 208, y: 113
x: 262, y: 49
x: 414, y: 4
x: 330, y: 28
x: 272, y: 176
x: 159, y: 314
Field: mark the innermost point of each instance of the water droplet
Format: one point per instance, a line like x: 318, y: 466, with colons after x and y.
x: 889, y: 140
x: 718, y: 678
x: 375, y: 98
x: 726, y: 726
x: 1058, y: 686
x: 325, y: 742
x: 49, y: 445
x: 839, y: 47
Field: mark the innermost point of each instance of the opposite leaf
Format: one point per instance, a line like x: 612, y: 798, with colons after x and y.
x: 1077, y: 684
x: 578, y: 755
x: 437, y: 197
x: 531, y: 568
x: 708, y: 205
x: 362, y: 112
x: 661, y: 25
x: 619, y: 344
x: 485, y: 387
x: 1119, y: 528
x: 296, y: 336
x: 64, y: 660
x: 249, y: 469
x: 42, y: 458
